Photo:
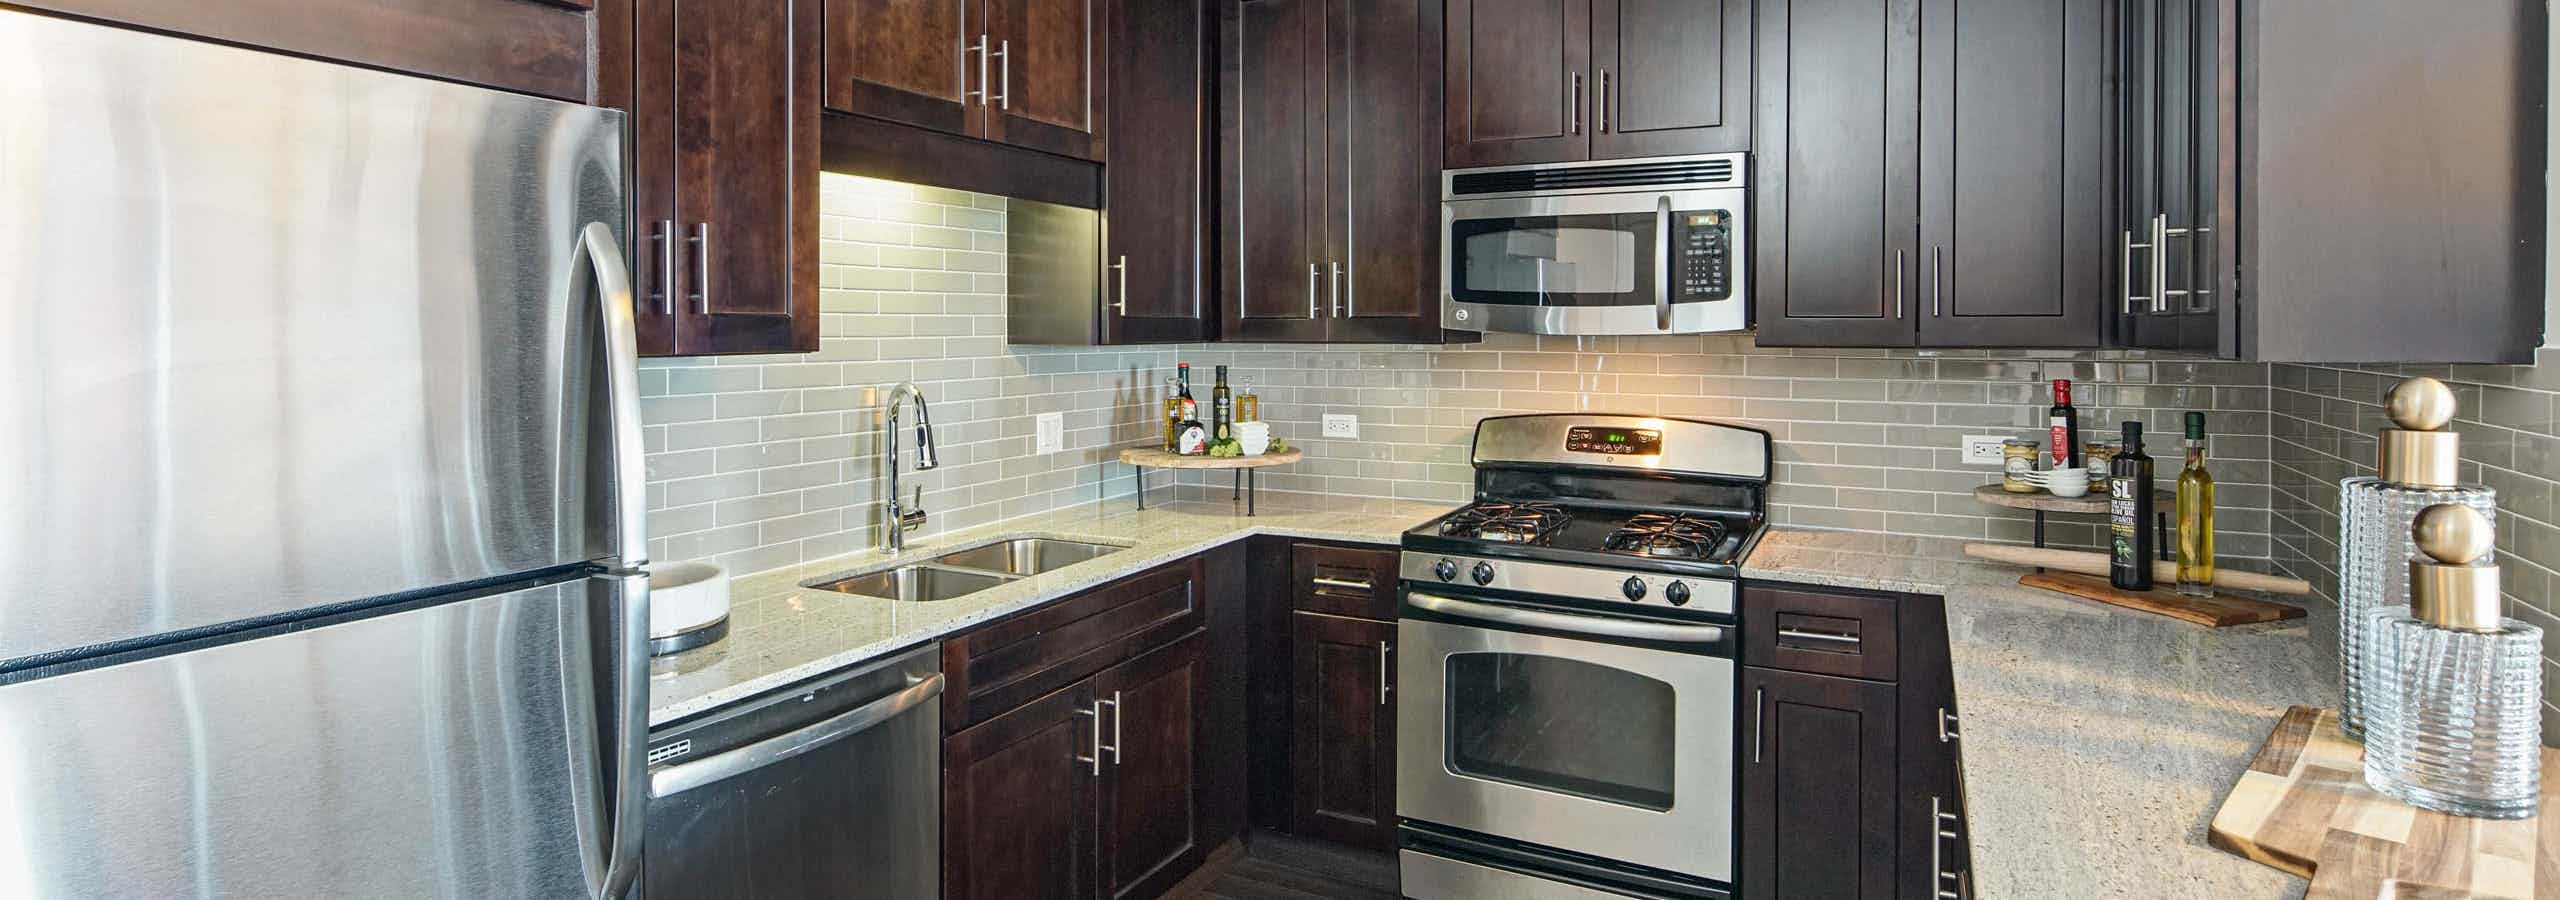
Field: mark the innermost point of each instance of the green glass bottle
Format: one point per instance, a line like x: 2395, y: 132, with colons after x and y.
x: 2195, y: 516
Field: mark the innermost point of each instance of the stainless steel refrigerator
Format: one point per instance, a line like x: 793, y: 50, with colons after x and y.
x: 321, y: 565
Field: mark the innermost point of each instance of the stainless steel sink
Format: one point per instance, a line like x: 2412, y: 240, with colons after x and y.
x: 1025, y: 556
x: 916, y: 583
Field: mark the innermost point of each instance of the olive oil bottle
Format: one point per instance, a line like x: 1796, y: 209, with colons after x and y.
x: 2129, y: 504
x: 2195, y: 516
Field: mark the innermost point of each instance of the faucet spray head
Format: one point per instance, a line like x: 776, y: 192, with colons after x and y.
x: 924, y: 436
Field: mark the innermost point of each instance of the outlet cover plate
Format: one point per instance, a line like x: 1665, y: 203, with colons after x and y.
x: 1341, y: 425
x: 1048, y: 432
x: 1983, y: 449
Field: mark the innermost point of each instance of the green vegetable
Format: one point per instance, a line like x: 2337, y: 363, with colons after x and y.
x: 1277, y: 444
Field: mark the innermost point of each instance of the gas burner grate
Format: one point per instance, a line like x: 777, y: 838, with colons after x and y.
x: 1518, y: 523
x: 1674, y: 536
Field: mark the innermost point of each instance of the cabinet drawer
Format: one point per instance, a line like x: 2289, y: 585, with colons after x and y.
x: 1828, y: 632
x: 1013, y: 660
x: 1344, y: 581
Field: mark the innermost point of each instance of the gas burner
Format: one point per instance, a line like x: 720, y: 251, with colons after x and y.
x: 1515, y: 523
x: 1667, y: 535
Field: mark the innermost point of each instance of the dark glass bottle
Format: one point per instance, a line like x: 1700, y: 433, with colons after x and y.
x: 1222, y: 405
x: 1182, y: 391
x: 2129, y: 502
x: 2063, y: 421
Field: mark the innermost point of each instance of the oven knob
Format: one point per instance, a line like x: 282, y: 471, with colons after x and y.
x: 1483, y: 573
x: 1634, y: 588
x: 1677, y: 593
x: 1446, y: 568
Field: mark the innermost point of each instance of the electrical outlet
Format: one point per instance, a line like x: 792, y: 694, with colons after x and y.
x: 1048, y: 432
x: 1337, y: 425
x: 1983, y: 449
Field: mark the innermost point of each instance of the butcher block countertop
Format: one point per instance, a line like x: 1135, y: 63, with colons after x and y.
x: 2098, y: 741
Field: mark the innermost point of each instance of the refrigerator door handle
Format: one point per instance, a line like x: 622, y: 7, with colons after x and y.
x: 630, y: 695
x: 622, y: 395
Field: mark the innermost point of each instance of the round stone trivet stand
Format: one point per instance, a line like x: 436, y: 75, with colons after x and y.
x: 2094, y: 503
x: 1140, y: 459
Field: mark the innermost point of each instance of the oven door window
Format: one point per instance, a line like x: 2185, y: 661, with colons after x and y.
x: 1598, y: 259
x: 1561, y: 725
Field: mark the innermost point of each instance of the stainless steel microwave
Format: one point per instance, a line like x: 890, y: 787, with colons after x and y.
x: 1631, y: 246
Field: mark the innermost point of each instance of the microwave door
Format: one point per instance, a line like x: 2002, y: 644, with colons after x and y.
x: 1592, y: 263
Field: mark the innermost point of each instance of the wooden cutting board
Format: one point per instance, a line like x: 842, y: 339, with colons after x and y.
x: 2215, y: 611
x: 2303, y: 807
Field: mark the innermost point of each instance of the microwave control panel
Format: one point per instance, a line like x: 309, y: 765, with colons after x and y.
x: 1703, y: 264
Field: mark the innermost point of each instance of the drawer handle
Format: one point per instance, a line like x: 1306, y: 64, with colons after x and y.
x: 1794, y: 634
x: 1947, y: 733
x: 674, y: 780
x: 1343, y: 583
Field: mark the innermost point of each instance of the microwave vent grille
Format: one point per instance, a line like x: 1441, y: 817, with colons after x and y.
x: 1636, y: 175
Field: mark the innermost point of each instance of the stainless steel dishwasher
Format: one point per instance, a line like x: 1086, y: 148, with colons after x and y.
x: 833, y: 789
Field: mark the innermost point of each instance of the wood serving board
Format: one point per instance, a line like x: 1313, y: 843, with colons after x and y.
x: 2302, y: 806
x: 1153, y: 458
x: 2214, y: 612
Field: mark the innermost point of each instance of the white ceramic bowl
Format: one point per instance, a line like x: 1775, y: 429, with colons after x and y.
x: 1253, y: 437
x: 688, y: 605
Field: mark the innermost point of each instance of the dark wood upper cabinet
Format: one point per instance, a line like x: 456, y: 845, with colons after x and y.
x: 1944, y: 191
x: 1329, y: 170
x: 1539, y: 81
x: 539, y: 47
x: 906, y: 61
x: 1343, y: 730
x: 1050, y: 68
x: 2013, y: 147
x: 1818, y: 786
x: 1018, y: 803
x: 1150, y: 831
x: 1835, y: 191
x: 1155, y: 284
x: 1670, y: 77
x: 1514, y: 77
x: 2292, y: 194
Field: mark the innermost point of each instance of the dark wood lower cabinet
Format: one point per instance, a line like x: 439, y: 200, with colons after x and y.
x: 1149, y: 833
x: 1342, y: 777
x: 1018, y: 802
x: 1818, y: 787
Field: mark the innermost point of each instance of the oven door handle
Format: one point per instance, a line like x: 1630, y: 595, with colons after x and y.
x: 1590, y: 625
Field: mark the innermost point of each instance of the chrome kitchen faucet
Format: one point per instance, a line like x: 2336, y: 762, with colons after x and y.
x: 901, y: 519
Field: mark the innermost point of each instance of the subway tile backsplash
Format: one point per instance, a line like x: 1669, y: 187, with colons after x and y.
x: 766, y: 461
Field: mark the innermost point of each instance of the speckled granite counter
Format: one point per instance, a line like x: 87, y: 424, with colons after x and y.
x: 780, y: 632
x: 2097, y: 741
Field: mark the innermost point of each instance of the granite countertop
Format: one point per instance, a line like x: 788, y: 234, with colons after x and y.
x: 780, y: 632
x: 2098, y: 741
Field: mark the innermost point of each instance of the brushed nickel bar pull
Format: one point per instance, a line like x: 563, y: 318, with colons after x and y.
x: 1937, y: 281
x: 1004, y: 74
x: 1383, y: 650
x: 1333, y: 288
x: 701, y: 241
x: 666, y: 293
x: 2159, y: 263
x: 1122, y: 267
x: 1897, y: 284
x: 1799, y: 635
x: 1603, y: 99
x: 979, y: 48
x: 2126, y: 266
x: 1945, y: 719
x: 1341, y: 583
x: 1096, y: 759
x: 1759, y: 703
x: 1116, y: 716
x: 1576, y: 81
x: 1311, y: 290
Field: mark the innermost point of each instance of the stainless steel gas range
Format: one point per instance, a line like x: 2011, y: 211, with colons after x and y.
x: 1567, y: 648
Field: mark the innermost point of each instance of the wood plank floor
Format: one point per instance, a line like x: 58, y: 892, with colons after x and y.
x: 1236, y: 876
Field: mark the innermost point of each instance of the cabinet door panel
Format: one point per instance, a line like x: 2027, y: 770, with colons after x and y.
x: 1017, y: 803
x: 1382, y: 176
x: 1150, y: 804
x: 1836, y: 190
x: 1670, y: 77
x: 1153, y: 205
x: 904, y: 60
x: 1343, y: 730
x: 1818, y: 783
x: 2013, y: 124
x: 1518, y: 77
x: 1271, y: 123
x: 1046, y: 85
x: 746, y: 136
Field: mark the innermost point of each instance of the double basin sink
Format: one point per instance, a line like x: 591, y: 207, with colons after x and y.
x: 968, y: 570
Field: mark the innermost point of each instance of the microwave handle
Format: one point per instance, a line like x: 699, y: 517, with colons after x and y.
x: 1662, y: 266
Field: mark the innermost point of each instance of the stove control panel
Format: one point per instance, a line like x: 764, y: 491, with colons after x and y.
x: 1580, y: 582
x: 1613, y: 441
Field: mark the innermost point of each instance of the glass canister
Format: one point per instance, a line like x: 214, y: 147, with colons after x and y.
x: 2419, y: 467
x: 2017, y: 461
x: 2099, y: 454
x: 2454, y: 687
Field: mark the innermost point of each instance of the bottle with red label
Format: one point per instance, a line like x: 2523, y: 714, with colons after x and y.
x: 2063, y: 421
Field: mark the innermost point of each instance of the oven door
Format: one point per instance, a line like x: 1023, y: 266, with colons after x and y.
x: 1579, y: 733
x: 1651, y: 262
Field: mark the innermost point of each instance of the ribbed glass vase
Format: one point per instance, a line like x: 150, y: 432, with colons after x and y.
x: 2374, y: 548
x: 2455, y: 717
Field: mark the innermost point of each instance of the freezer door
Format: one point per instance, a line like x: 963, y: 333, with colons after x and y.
x: 278, y: 334
x: 448, y: 751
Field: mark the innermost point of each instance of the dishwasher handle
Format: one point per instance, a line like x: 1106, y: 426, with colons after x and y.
x: 677, y: 779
